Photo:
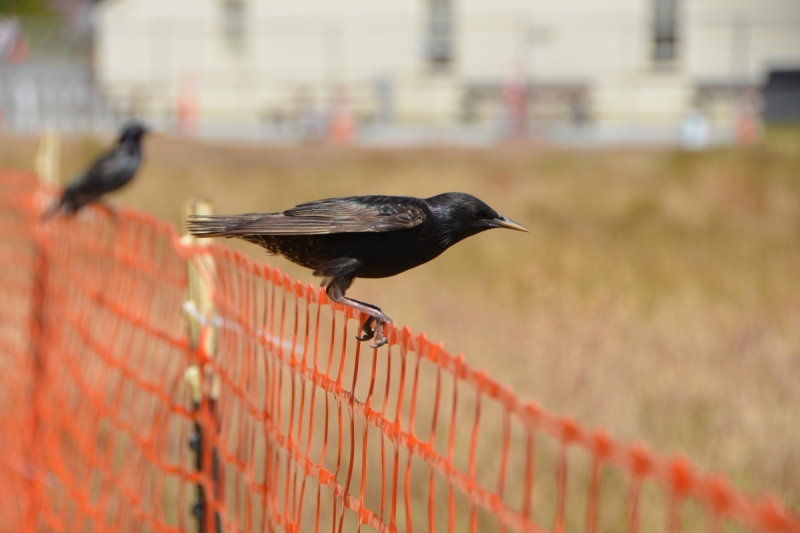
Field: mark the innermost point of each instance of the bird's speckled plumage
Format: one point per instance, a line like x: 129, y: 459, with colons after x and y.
x: 342, y: 239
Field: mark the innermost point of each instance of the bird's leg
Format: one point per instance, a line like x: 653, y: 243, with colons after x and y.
x: 375, y: 315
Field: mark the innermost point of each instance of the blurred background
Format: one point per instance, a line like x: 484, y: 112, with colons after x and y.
x: 397, y: 72
x: 651, y: 146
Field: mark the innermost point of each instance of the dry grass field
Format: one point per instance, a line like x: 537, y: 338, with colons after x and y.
x: 657, y: 295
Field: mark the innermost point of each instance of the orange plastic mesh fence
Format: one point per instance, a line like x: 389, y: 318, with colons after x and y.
x: 299, y: 426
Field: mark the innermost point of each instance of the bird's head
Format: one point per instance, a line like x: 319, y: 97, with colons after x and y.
x: 133, y: 132
x: 463, y: 215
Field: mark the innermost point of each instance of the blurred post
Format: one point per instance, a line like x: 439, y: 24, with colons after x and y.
x: 38, y: 372
x: 48, y: 156
x: 199, y: 313
x: 187, y: 112
x: 342, y: 125
x: 747, y: 126
x: 694, y: 131
x: 515, y: 98
x: 46, y: 163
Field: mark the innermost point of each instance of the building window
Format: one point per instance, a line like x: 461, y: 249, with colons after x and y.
x: 665, y: 31
x: 439, y: 49
x: 234, y: 24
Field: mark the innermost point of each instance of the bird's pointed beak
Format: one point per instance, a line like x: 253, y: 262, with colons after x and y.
x: 503, y: 222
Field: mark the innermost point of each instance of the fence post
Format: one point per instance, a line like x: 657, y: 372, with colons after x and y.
x: 48, y: 156
x: 38, y: 367
x: 47, y: 166
x: 199, y: 313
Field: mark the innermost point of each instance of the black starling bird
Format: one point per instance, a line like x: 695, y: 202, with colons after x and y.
x: 360, y: 237
x: 108, y: 173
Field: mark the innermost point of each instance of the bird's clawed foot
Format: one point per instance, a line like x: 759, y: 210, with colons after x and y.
x: 377, y: 333
x: 374, y: 314
x: 369, y: 333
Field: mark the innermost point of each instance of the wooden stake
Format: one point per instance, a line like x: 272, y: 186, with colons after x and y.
x: 199, y: 314
x: 200, y: 301
x: 48, y: 156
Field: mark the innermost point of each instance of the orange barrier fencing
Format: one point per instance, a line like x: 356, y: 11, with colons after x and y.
x: 274, y: 418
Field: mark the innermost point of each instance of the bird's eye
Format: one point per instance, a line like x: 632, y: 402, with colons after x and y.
x: 478, y: 213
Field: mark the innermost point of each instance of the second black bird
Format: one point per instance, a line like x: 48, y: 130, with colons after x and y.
x: 108, y: 173
x: 360, y: 237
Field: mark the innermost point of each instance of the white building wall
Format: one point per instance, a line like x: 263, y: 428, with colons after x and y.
x: 741, y: 39
x: 151, y: 51
x: 576, y: 40
x: 144, y: 55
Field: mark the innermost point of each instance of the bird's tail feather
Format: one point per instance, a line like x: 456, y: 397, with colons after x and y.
x: 218, y: 225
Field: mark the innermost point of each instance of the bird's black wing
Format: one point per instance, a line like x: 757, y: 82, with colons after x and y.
x: 110, y: 172
x: 356, y: 214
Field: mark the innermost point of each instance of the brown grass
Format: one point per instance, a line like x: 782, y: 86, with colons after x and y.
x: 658, y: 294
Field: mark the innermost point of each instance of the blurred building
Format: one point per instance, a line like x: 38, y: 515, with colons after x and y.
x: 46, y: 78
x: 613, y: 64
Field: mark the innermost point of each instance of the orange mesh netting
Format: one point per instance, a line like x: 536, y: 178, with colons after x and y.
x: 277, y: 419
